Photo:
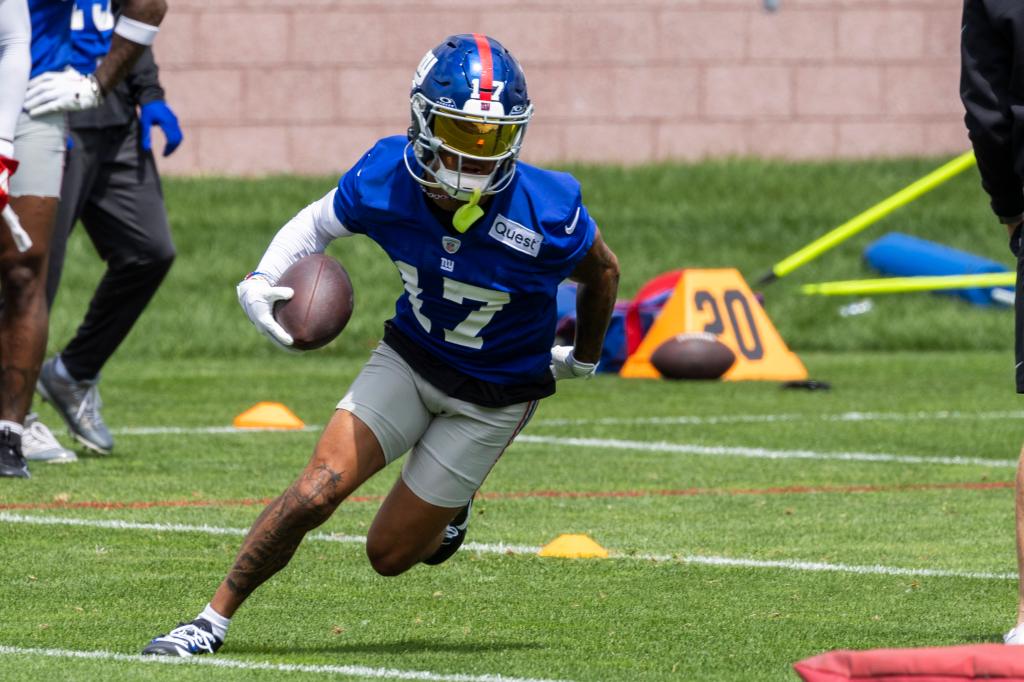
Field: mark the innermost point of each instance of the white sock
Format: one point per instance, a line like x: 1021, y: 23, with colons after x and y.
x: 220, y: 623
x: 61, y: 370
x: 15, y: 427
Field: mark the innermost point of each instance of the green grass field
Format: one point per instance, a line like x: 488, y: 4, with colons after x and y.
x: 750, y: 526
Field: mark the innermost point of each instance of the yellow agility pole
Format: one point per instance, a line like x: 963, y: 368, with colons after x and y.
x: 869, y: 217
x: 899, y: 285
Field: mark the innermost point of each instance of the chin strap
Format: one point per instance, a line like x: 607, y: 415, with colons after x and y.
x: 468, y: 213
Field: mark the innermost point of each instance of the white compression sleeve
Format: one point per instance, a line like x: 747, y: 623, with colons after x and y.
x: 310, y: 231
x: 15, y: 65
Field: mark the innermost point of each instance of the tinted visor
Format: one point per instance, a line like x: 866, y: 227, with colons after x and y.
x: 476, y: 137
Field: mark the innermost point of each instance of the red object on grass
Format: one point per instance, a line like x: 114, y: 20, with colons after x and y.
x: 939, y: 664
x: 660, y: 286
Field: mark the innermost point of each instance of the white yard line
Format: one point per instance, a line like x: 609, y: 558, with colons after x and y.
x: 222, y: 662
x: 819, y: 566
x: 760, y: 453
x: 695, y: 420
x: 939, y: 415
x: 502, y: 548
x: 679, y: 448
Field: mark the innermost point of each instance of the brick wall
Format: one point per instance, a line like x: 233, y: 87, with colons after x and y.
x: 278, y: 86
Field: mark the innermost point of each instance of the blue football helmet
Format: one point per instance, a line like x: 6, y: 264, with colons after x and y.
x: 469, y: 113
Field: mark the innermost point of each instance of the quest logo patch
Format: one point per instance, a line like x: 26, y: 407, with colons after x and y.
x: 515, y: 236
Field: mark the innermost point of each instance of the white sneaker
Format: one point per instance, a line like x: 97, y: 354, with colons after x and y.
x: 39, y: 444
x: 1014, y: 636
x: 188, y: 639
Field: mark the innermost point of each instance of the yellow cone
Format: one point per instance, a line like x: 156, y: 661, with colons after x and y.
x: 573, y: 547
x: 265, y: 415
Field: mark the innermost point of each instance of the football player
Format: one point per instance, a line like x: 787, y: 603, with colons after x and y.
x: 991, y: 63
x: 111, y: 183
x: 15, y: 63
x: 481, y: 243
x: 39, y: 143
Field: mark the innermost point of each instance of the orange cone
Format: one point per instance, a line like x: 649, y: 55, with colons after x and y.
x: 266, y: 415
x: 573, y: 547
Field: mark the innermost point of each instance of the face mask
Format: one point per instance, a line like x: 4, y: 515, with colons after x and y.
x: 461, y: 186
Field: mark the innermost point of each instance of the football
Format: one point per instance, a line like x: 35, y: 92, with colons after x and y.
x: 322, y: 303
x: 697, y: 355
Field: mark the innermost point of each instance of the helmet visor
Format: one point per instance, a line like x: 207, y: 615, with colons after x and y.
x: 475, y: 136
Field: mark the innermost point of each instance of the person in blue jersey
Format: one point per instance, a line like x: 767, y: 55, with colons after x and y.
x: 481, y: 243
x: 39, y: 142
x: 112, y: 185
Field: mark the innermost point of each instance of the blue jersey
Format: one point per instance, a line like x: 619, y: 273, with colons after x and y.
x: 51, y: 35
x: 92, y: 26
x: 482, y: 301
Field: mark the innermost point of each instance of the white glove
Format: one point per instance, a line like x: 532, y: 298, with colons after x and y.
x: 257, y: 297
x: 565, y: 366
x: 1014, y: 636
x: 65, y: 90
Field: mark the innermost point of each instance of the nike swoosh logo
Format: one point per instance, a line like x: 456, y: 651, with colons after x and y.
x: 569, y: 229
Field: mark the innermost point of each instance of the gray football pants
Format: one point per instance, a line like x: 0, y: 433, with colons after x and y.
x: 113, y: 187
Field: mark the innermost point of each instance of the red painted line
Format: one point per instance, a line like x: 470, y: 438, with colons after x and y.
x: 542, y: 494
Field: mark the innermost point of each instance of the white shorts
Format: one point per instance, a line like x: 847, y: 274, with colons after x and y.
x: 39, y: 145
x: 454, y: 443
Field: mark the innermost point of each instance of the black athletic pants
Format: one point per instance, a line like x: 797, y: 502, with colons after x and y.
x: 113, y: 187
x: 1018, y: 306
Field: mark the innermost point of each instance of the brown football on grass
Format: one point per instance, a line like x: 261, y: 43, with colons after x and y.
x: 697, y: 355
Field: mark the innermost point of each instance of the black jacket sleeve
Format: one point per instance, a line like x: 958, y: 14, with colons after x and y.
x: 144, y: 80
x: 992, y: 90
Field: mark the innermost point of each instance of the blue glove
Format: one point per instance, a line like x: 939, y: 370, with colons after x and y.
x: 158, y: 113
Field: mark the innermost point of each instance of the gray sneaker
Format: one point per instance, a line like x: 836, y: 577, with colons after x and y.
x: 78, y: 402
x: 38, y: 444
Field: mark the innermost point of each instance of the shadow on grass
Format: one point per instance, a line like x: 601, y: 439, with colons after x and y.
x: 408, y: 646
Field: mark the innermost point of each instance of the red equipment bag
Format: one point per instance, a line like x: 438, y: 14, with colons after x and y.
x: 646, y: 305
x: 939, y: 664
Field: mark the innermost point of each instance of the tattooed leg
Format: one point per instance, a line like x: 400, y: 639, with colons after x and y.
x: 346, y: 456
x: 24, y: 319
x: 277, y: 532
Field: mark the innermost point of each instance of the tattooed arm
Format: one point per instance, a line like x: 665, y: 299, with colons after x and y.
x: 598, y: 276
x: 123, y: 52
